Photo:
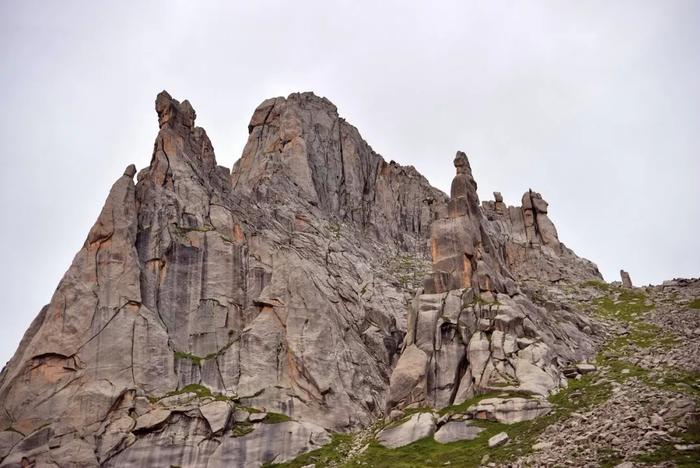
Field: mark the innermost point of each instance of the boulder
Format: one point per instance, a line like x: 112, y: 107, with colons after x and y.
x: 418, y: 426
x: 542, y: 446
x: 216, y: 413
x: 499, y: 439
x: 257, y: 417
x: 408, y: 382
x: 509, y: 410
x: 240, y: 415
x: 585, y: 368
x: 456, y: 430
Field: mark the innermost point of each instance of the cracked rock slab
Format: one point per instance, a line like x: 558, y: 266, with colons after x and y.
x: 152, y: 419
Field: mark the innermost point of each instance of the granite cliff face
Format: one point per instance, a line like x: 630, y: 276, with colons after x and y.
x: 295, y: 289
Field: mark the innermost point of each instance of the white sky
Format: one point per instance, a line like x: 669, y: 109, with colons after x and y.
x: 595, y: 104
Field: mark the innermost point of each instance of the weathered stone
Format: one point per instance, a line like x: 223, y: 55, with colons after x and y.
x: 585, y: 368
x: 499, y: 439
x: 509, y: 410
x: 626, y: 280
x: 418, y: 426
x: 269, y: 443
x: 240, y: 415
x: 257, y: 417
x: 216, y: 413
x: 115, y: 434
x: 408, y: 381
x: 152, y: 419
x: 531, y: 244
x: 542, y: 446
x: 8, y: 439
x: 454, y: 431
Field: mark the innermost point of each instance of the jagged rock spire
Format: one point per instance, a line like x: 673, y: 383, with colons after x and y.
x: 173, y: 113
x: 463, y: 256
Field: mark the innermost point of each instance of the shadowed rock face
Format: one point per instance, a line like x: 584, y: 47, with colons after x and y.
x: 284, y: 285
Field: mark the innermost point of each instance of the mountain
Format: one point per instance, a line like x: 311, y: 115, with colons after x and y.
x: 234, y: 318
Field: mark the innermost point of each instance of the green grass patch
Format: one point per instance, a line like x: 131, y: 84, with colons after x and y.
x: 608, y: 458
x: 427, y: 452
x: 276, y: 418
x: 677, y: 380
x: 580, y: 395
x: 598, y: 284
x: 196, y: 360
x: 694, y: 304
x: 334, y: 229
x: 241, y: 429
x: 626, y: 306
x: 329, y: 454
x: 199, y: 390
x: 409, y: 270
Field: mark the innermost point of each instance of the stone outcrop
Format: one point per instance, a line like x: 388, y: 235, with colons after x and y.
x: 471, y: 329
x: 626, y: 280
x: 499, y: 439
x: 418, y: 426
x: 457, y: 430
x: 509, y: 410
x: 464, y: 256
x: 206, y: 304
x: 530, y: 243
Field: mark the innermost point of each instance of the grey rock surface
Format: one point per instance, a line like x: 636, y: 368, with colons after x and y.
x: 152, y: 419
x: 626, y: 280
x: 456, y: 430
x: 216, y: 413
x: 418, y: 426
x: 499, y: 439
x: 268, y: 443
x: 509, y: 410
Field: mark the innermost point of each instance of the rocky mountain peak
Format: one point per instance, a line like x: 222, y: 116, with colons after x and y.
x: 173, y: 113
x: 315, y: 285
x: 299, y: 145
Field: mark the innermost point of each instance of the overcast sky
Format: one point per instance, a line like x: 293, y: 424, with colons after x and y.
x: 595, y: 104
